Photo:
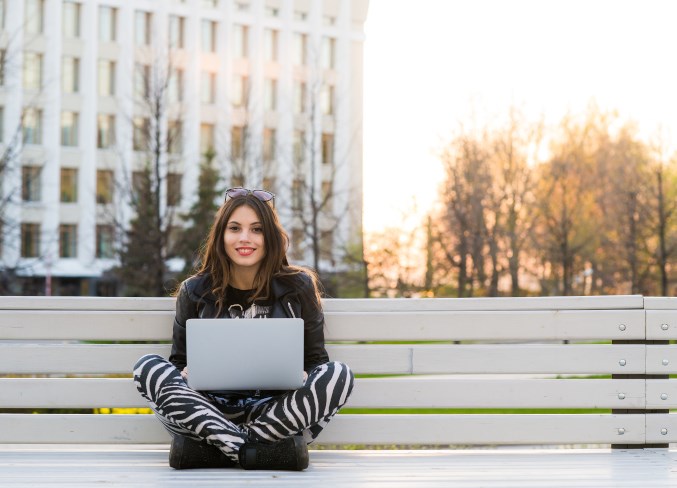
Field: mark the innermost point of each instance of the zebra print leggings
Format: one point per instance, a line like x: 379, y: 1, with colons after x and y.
x: 229, y: 423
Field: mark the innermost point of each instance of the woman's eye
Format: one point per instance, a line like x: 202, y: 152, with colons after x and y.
x: 258, y: 230
x: 233, y: 228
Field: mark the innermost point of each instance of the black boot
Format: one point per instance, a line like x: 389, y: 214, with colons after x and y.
x: 289, y: 454
x: 187, y: 453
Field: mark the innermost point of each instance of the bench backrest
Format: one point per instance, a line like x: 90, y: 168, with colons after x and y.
x: 553, y: 370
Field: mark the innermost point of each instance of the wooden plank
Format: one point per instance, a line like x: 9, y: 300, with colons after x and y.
x: 348, y: 429
x: 529, y: 358
x: 661, y: 428
x: 19, y: 358
x: 87, y: 303
x: 488, y: 326
x: 661, y: 394
x: 501, y: 393
x: 47, y: 466
x: 661, y: 359
x: 660, y: 303
x: 661, y: 325
x: 621, y: 302
x: 344, y: 305
x: 400, y: 326
x: 368, y: 393
x: 86, y: 325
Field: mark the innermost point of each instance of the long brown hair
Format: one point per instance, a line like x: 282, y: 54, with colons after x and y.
x: 216, y: 264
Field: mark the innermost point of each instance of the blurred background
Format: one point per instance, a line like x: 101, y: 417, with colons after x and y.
x: 417, y: 149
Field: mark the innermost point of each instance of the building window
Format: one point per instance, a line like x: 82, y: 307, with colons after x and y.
x: 210, y: 3
x: 105, y: 131
x: 176, y: 31
x: 327, y: 148
x: 328, y: 53
x: 2, y: 26
x: 270, y: 94
x: 106, y: 78
x: 327, y: 193
x: 300, y: 49
x: 269, y: 183
x: 299, y: 97
x: 104, y: 186
x: 70, y: 74
x: 297, y: 243
x: 142, y: 28
x: 236, y: 143
x: 32, y: 72
x: 270, y: 44
x: 206, y: 137
x: 268, y: 144
x: 327, y: 244
x: 208, y: 41
x: 34, y: 17
x: 174, y: 137
x: 140, y: 133
x: 104, y: 241
x: 300, y: 15
x: 238, y: 97
x: 31, y: 126
x: 2, y: 128
x: 299, y: 147
x: 30, y: 240
x: 327, y: 100
x: 328, y: 20
x: 140, y: 184
x: 107, y: 24
x: 70, y: 16
x: 30, y: 183
x: 69, y: 129
x: 69, y: 185
x: 142, y: 81
x: 240, y: 41
x: 272, y: 12
x: 175, y: 86
x: 297, y: 187
x: 68, y: 241
x: 207, y: 87
x: 173, y: 189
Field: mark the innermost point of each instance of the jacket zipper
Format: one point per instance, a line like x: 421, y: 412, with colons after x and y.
x: 290, y: 309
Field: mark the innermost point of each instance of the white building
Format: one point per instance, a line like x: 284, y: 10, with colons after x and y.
x: 254, y: 77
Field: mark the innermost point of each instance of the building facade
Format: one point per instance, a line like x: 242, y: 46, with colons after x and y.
x: 271, y: 88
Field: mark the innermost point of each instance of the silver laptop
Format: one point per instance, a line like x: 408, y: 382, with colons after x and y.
x: 244, y: 354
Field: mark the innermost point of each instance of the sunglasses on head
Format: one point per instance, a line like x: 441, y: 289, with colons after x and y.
x: 263, y: 195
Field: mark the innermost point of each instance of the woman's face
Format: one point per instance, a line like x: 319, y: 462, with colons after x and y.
x: 243, y: 239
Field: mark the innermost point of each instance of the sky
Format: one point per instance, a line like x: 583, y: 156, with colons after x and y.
x: 432, y: 64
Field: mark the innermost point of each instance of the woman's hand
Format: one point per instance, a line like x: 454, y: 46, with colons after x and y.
x: 305, y: 376
x: 184, y: 373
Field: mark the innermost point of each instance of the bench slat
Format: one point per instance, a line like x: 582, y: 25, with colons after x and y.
x: 488, y: 326
x: 368, y: 393
x: 392, y: 358
x: 389, y: 326
x: 661, y: 394
x: 661, y: 428
x: 661, y: 359
x: 661, y: 325
x: 359, y: 304
x: 348, y: 429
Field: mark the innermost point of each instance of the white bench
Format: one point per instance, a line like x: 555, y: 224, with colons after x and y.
x: 482, y: 353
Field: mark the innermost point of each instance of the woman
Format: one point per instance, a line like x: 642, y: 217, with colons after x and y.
x: 244, y: 273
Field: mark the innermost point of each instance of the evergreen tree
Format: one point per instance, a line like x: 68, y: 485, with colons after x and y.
x: 142, y: 267
x: 201, y: 214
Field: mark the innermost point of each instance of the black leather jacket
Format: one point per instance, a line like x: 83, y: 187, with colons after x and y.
x: 293, y: 296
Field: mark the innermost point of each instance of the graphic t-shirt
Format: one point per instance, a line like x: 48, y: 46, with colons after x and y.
x: 239, y: 305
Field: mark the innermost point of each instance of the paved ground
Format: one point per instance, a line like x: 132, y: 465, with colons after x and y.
x: 37, y: 466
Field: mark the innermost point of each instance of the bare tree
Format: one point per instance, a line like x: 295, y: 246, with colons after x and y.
x: 153, y: 191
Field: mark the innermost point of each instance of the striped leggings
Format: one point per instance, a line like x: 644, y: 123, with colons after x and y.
x: 228, y: 423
